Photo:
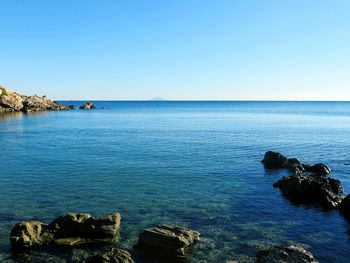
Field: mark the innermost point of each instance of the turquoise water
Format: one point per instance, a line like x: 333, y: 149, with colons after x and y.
x: 191, y: 163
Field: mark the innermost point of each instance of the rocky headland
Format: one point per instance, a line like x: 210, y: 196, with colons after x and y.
x: 14, y: 102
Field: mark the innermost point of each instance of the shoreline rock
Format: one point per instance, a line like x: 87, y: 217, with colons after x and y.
x: 167, y: 243
x: 69, y: 230
x: 285, y: 254
x: 14, y: 102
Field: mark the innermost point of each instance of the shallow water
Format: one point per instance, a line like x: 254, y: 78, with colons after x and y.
x: 191, y: 163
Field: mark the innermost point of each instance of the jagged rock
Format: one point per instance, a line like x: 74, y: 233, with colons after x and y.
x: 28, y: 234
x: 87, y: 106
x: 275, y: 160
x: 285, y: 254
x: 71, y: 229
x: 166, y: 242
x: 10, y: 100
x: 114, y: 255
x: 312, y: 189
x: 36, y: 103
x: 344, y: 207
x: 319, y: 168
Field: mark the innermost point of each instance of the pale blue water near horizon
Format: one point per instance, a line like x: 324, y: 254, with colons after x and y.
x: 195, y: 164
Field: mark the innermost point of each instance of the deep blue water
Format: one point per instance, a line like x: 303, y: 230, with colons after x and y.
x: 191, y: 163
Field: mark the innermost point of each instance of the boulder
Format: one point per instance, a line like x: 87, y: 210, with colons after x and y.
x: 114, y: 255
x: 312, y: 189
x: 344, y: 207
x: 71, y: 229
x: 273, y: 160
x: 318, y: 168
x: 87, y: 106
x: 28, y: 234
x: 285, y: 254
x: 167, y: 243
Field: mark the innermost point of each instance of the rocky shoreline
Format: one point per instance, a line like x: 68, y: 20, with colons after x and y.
x: 163, y: 243
x: 14, y: 102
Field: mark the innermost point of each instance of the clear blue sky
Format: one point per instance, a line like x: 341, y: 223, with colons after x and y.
x: 190, y: 49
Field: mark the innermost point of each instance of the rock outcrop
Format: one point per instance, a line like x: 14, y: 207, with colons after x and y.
x: 71, y: 229
x: 166, y: 243
x: 87, y: 106
x: 114, y: 255
x: 275, y: 160
x: 311, y: 189
x: 285, y: 254
x: 12, y: 102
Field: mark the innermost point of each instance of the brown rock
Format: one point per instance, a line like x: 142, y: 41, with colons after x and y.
x: 28, y: 234
x: 10, y: 100
x: 166, y: 242
x: 69, y: 230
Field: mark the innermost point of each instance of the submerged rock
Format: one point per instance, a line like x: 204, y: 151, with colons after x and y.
x: 313, y: 189
x: 71, y: 229
x: 87, y: 106
x: 114, y: 255
x: 285, y: 254
x: 12, y: 101
x: 166, y: 242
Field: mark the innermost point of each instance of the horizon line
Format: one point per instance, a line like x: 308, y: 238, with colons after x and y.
x: 186, y: 100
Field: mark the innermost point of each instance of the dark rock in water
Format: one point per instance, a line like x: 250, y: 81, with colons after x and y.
x: 312, y: 189
x: 71, y: 107
x: 285, y: 254
x: 344, y: 207
x: 114, y: 255
x: 167, y: 243
x: 87, y: 106
x: 71, y: 229
x: 319, y: 168
x: 273, y: 160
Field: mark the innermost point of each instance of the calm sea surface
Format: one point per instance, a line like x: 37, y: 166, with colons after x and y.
x: 195, y: 164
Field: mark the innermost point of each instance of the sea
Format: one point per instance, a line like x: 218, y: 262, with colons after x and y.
x: 192, y: 163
